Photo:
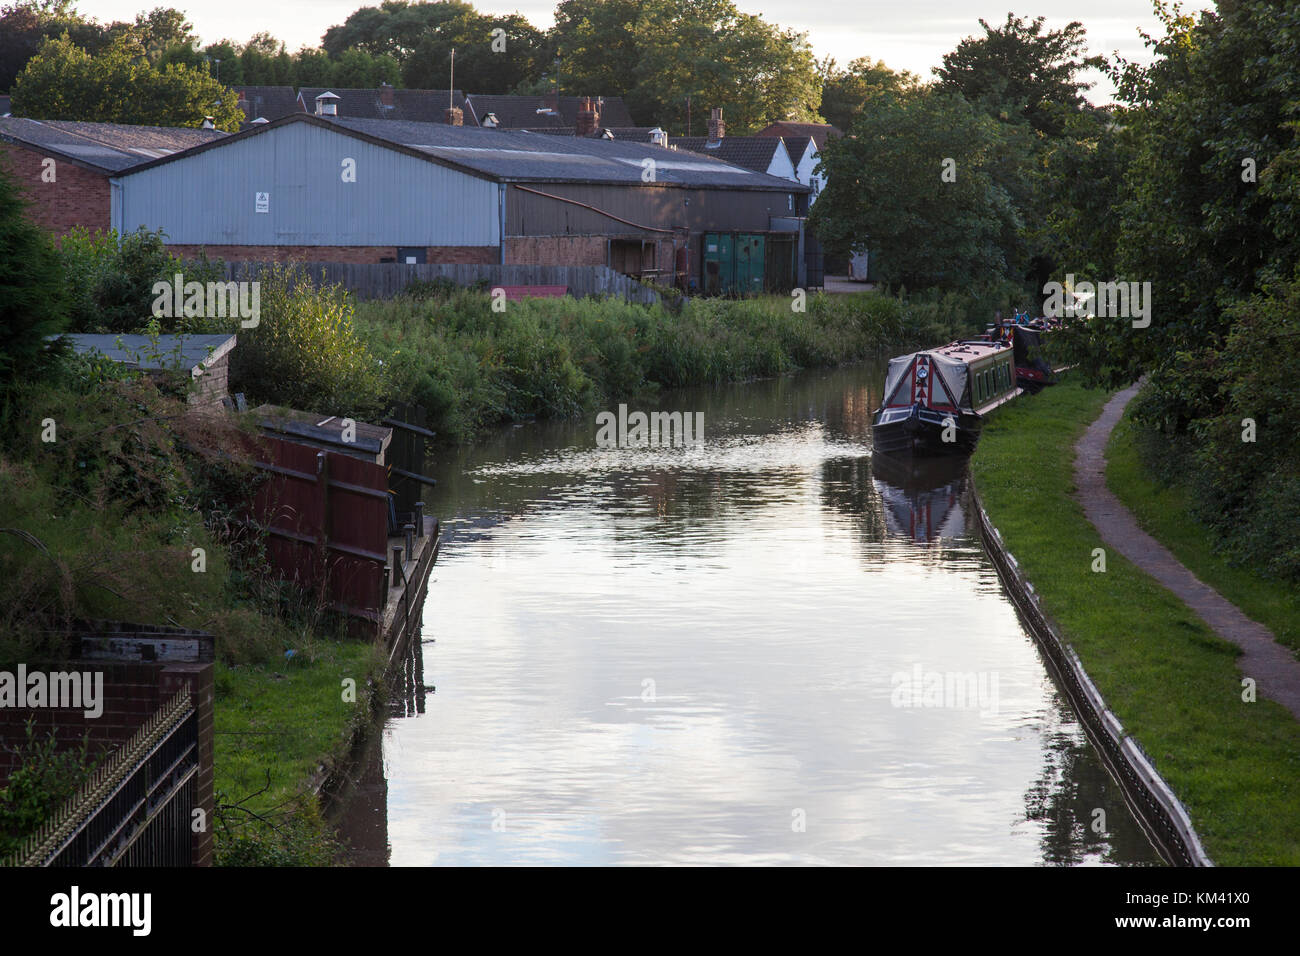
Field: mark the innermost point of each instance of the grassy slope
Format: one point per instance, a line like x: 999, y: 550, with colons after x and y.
x: 1172, y: 682
x: 1166, y: 513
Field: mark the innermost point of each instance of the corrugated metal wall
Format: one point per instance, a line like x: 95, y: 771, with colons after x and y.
x: 708, y: 210
x: 397, y: 200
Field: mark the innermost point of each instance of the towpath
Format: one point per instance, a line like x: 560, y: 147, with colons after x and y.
x: 1274, y: 667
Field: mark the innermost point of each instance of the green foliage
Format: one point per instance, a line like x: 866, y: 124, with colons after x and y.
x: 31, y: 290
x: 1020, y: 71
x: 110, y: 278
x: 886, y: 188
x: 42, y: 782
x: 846, y: 93
x: 119, y: 85
x: 659, y: 52
x: 26, y: 24
x: 305, y: 353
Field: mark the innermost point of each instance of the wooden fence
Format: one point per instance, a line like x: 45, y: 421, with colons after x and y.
x: 388, y: 279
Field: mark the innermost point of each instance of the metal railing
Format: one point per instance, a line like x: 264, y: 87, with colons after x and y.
x: 136, y: 809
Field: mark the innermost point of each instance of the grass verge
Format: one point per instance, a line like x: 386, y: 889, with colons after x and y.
x: 1167, y: 513
x: 1171, y: 681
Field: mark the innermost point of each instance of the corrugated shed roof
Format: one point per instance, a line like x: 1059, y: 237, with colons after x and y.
x: 110, y: 147
x: 752, y: 152
x: 268, y: 102
x: 521, y: 156
x: 521, y: 112
x: 416, y: 106
x: 518, y: 155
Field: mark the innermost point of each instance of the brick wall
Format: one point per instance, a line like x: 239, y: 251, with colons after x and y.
x: 578, y: 250
x: 77, y: 197
x: 357, y: 254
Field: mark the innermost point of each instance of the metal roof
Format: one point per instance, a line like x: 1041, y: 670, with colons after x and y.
x: 520, y: 156
x: 108, y: 147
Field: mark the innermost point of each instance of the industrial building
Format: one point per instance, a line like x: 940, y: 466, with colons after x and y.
x: 341, y: 189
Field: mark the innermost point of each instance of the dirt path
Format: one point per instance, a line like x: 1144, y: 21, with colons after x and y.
x: 1274, y: 667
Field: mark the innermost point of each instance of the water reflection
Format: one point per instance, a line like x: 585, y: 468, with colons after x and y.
x: 694, y: 655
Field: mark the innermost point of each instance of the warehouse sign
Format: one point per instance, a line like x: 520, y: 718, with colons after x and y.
x: 263, y: 202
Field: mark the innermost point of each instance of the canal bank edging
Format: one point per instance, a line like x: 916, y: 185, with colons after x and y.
x: 1152, y: 801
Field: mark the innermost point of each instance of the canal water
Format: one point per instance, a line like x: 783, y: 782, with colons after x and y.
x: 761, y: 649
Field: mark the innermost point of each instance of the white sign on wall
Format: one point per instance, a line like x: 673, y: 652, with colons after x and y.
x: 263, y: 202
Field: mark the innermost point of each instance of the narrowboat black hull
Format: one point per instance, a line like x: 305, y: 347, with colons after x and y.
x: 921, y: 432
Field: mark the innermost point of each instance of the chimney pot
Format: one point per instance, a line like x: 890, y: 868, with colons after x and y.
x: 717, y: 128
x: 386, y: 94
x: 588, y: 117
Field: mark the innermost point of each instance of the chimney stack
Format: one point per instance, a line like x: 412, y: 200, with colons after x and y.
x: 551, y: 101
x: 453, y: 116
x: 588, y: 117
x: 717, y: 129
x: 385, y: 94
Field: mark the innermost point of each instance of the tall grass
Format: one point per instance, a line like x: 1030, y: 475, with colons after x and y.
x: 473, y: 367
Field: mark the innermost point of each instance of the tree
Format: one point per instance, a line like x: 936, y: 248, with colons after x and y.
x: 31, y: 288
x: 26, y: 24
x: 846, y: 92
x: 1021, y: 70
x: 933, y: 185
x: 63, y: 81
x: 657, y: 53
x: 486, y: 61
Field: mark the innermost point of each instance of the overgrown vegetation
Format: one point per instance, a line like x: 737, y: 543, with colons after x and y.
x: 45, y: 777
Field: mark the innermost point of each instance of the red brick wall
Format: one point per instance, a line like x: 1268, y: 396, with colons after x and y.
x: 357, y: 254
x: 575, y: 251
x: 77, y: 197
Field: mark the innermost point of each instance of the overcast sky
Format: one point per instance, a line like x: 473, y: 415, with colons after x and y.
x: 911, y: 35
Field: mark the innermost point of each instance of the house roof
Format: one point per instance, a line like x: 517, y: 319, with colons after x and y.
x: 4, y: 104
x: 521, y: 112
x: 796, y: 145
x: 752, y: 152
x: 417, y: 106
x: 820, y: 132
x: 106, y: 147
x: 268, y: 102
x: 520, y: 156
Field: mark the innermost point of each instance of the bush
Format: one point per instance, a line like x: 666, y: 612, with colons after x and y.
x: 45, y: 778
x: 305, y: 352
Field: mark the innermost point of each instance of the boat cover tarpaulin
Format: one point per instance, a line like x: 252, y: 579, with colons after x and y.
x: 953, y: 372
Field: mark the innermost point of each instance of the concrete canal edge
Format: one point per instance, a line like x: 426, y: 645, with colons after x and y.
x: 1148, y: 796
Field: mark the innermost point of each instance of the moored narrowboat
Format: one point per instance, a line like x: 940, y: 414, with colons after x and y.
x: 934, y: 401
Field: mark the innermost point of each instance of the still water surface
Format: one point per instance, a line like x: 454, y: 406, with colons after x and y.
x: 705, y: 655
